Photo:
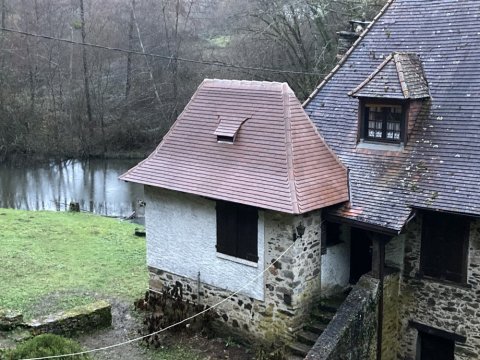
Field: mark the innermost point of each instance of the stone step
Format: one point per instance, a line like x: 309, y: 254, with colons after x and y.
x: 307, y: 337
x: 294, y: 357
x: 299, y: 349
x: 316, y: 327
x: 323, y: 316
x: 331, y: 304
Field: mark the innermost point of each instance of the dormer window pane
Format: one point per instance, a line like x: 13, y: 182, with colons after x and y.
x: 383, y: 122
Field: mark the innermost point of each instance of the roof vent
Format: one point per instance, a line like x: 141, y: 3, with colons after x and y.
x: 228, y: 128
x: 225, y: 139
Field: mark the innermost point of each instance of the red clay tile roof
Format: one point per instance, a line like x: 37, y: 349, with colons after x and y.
x: 439, y: 166
x: 400, y: 76
x: 278, y: 160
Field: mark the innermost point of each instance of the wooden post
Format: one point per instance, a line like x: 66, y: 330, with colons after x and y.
x: 378, y: 271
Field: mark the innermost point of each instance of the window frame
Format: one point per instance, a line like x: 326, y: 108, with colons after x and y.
x: 364, y: 103
x: 229, y: 218
x: 425, y: 265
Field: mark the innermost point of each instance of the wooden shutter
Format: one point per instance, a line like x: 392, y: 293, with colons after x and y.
x: 237, y: 229
x: 444, y: 246
x: 432, y: 245
x: 226, y: 228
x: 247, y: 233
x: 456, y: 233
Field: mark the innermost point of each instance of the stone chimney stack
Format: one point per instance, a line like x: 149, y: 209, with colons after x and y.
x: 347, y: 38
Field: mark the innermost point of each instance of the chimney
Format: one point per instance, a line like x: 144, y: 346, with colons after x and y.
x: 347, y: 38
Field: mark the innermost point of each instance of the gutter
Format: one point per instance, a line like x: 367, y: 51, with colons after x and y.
x: 363, y: 225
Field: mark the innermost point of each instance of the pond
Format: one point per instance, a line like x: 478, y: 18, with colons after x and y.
x: 94, y: 184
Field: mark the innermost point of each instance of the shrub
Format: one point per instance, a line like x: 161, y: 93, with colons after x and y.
x: 46, y: 345
x: 170, y: 308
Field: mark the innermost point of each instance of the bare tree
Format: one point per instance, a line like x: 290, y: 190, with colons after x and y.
x: 71, y: 100
x: 88, y: 143
x: 128, y: 82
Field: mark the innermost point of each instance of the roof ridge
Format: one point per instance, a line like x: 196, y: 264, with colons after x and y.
x: 372, y: 75
x: 348, y: 53
x: 289, y: 148
x: 401, y: 75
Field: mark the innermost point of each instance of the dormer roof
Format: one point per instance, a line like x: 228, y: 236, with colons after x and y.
x: 278, y: 160
x: 400, y: 76
x: 229, y: 125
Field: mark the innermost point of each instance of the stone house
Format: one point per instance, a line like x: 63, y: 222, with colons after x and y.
x: 401, y: 111
x: 230, y: 188
x: 385, y: 183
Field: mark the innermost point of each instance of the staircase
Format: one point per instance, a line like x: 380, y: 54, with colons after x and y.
x: 311, y: 331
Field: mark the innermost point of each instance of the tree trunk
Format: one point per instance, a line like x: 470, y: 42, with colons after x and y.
x: 128, y: 82
x: 86, y: 83
x: 150, y: 70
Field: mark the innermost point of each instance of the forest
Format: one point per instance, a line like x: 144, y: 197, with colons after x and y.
x: 90, y: 78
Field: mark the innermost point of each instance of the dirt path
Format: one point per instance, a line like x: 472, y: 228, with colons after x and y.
x: 126, y: 324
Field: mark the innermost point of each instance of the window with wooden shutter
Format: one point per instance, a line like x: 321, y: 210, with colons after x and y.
x: 444, y: 248
x: 237, y: 230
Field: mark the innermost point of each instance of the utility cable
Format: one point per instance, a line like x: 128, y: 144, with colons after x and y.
x: 170, y: 326
x: 164, y: 57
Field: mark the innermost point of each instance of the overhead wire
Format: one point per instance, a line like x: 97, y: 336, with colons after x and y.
x: 170, y: 326
x: 164, y: 57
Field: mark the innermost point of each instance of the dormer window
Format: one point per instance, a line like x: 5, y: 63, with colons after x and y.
x: 383, y: 122
x: 386, y: 95
x: 228, y: 128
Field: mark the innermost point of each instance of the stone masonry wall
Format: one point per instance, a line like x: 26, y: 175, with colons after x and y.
x: 449, y: 307
x: 352, y: 333
x: 289, y: 287
x: 79, y: 319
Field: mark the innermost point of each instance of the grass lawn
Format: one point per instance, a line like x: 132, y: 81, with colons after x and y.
x: 51, y: 261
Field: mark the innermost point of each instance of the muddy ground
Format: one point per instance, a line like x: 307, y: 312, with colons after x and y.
x: 126, y: 325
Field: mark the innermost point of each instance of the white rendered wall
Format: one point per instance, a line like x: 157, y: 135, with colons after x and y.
x: 336, y: 265
x: 181, y: 238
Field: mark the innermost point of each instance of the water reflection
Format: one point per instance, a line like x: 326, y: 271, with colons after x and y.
x: 93, y: 184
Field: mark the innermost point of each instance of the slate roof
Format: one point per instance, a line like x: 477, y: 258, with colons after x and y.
x: 400, y: 77
x: 439, y: 167
x: 278, y: 160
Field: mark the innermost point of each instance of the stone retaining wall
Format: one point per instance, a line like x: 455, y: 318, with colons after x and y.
x: 352, y: 333
x: 82, y: 318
